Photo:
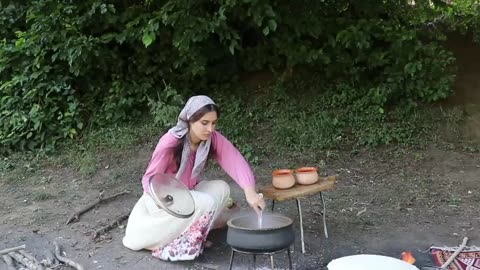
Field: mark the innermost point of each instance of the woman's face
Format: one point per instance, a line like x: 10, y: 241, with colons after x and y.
x: 202, y: 129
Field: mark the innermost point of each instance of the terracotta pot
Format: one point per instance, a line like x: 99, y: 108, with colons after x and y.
x: 283, y: 179
x: 306, y: 175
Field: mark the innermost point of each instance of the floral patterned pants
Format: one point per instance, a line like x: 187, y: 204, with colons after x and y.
x: 171, y: 238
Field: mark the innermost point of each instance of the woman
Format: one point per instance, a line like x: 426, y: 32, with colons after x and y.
x: 184, y: 151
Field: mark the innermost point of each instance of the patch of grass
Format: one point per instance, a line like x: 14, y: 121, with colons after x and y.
x: 120, y: 137
x: 300, y: 119
x: 469, y: 148
x: 419, y: 156
x: 454, y: 200
x: 82, y: 154
x: 42, y: 196
x: 85, y: 154
x: 295, y: 121
x: 86, y: 163
x: 237, y: 123
x: 18, y: 166
x: 41, y: 218
x: 113, y: 179
x: 12, y: 178
x: 6, y: 165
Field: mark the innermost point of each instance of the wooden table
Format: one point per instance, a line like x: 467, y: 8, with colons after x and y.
x: 298, y: 192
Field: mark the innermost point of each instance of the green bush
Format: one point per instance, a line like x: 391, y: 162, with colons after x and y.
x: 68, y: 65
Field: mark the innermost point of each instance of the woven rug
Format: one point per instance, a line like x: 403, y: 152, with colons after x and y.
x: 468, y: 259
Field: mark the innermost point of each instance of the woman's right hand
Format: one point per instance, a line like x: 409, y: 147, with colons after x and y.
x: 254, y: 199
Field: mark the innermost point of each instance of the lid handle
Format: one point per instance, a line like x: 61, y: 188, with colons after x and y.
x: 167, y: 199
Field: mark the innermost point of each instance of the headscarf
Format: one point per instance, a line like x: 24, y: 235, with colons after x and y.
x: 181, y: 129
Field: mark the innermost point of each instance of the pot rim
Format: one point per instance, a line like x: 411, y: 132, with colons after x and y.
x: 230, y: 224
x: 281, y: 172
x: 306, y: 170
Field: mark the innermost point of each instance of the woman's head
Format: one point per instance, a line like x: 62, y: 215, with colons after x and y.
x: 197, y: 120
x: 203, y: 123
x: 194, y: 110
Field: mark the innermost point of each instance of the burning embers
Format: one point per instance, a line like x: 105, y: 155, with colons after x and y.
x: 408, y: 257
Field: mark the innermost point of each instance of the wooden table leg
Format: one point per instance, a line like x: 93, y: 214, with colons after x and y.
x: 324, y: 216
x: 299, y: 208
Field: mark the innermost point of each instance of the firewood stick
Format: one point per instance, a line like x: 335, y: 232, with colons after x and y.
x: 8, y: 260
x: 23, y: 260
x: 7, y: 250
x: 455, y: 254
x: 65, y: 260
x: 31, y: 258
x: 110, y: 226
x: 77, y: 214
x: 100, y: 199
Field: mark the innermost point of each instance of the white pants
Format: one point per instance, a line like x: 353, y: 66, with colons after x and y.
x: 150, y: 227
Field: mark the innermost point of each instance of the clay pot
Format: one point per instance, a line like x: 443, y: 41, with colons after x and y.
x: 306, y: 175
x: 283, y: 179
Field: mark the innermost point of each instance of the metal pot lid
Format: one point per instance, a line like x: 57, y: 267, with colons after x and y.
x: 171, y: 195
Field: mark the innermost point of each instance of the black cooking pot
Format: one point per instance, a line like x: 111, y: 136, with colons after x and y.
x: 275, y: 234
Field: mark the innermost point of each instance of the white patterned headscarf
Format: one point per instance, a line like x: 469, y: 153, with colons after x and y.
x: 181, y: 129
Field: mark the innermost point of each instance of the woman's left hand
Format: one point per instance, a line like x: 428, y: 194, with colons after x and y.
x: 254, y: 199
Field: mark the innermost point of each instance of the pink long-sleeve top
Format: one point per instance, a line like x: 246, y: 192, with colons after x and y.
x: 224, y: 152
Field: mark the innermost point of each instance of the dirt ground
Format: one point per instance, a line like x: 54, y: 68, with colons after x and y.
x: 386, y: 201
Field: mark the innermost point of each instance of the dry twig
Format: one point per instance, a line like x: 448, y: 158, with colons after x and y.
x: 7, y: 250
x: 100, y: 199
x: 110, y: 226
x: 24, y: 261
x: 31, y: 258
x: 362, y: 211
x: 455, y: 254
x: 8, y: 260
x: 64, y: 260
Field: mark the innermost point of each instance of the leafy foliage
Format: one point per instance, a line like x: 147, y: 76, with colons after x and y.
x: 66, y: 66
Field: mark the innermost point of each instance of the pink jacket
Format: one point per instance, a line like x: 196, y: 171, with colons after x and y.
x: 224, y: 152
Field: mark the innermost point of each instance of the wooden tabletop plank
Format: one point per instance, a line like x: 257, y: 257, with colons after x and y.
x: 298, y: 191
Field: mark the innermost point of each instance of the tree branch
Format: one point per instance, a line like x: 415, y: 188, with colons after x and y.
x: 66, y: 260
x: 110, y: 226
x: 8, y: 260
x: 24, y: 260
x: 100, y: 199
x: 7, y: 250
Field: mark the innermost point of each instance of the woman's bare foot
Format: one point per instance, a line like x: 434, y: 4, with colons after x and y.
x: 208, y: 244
